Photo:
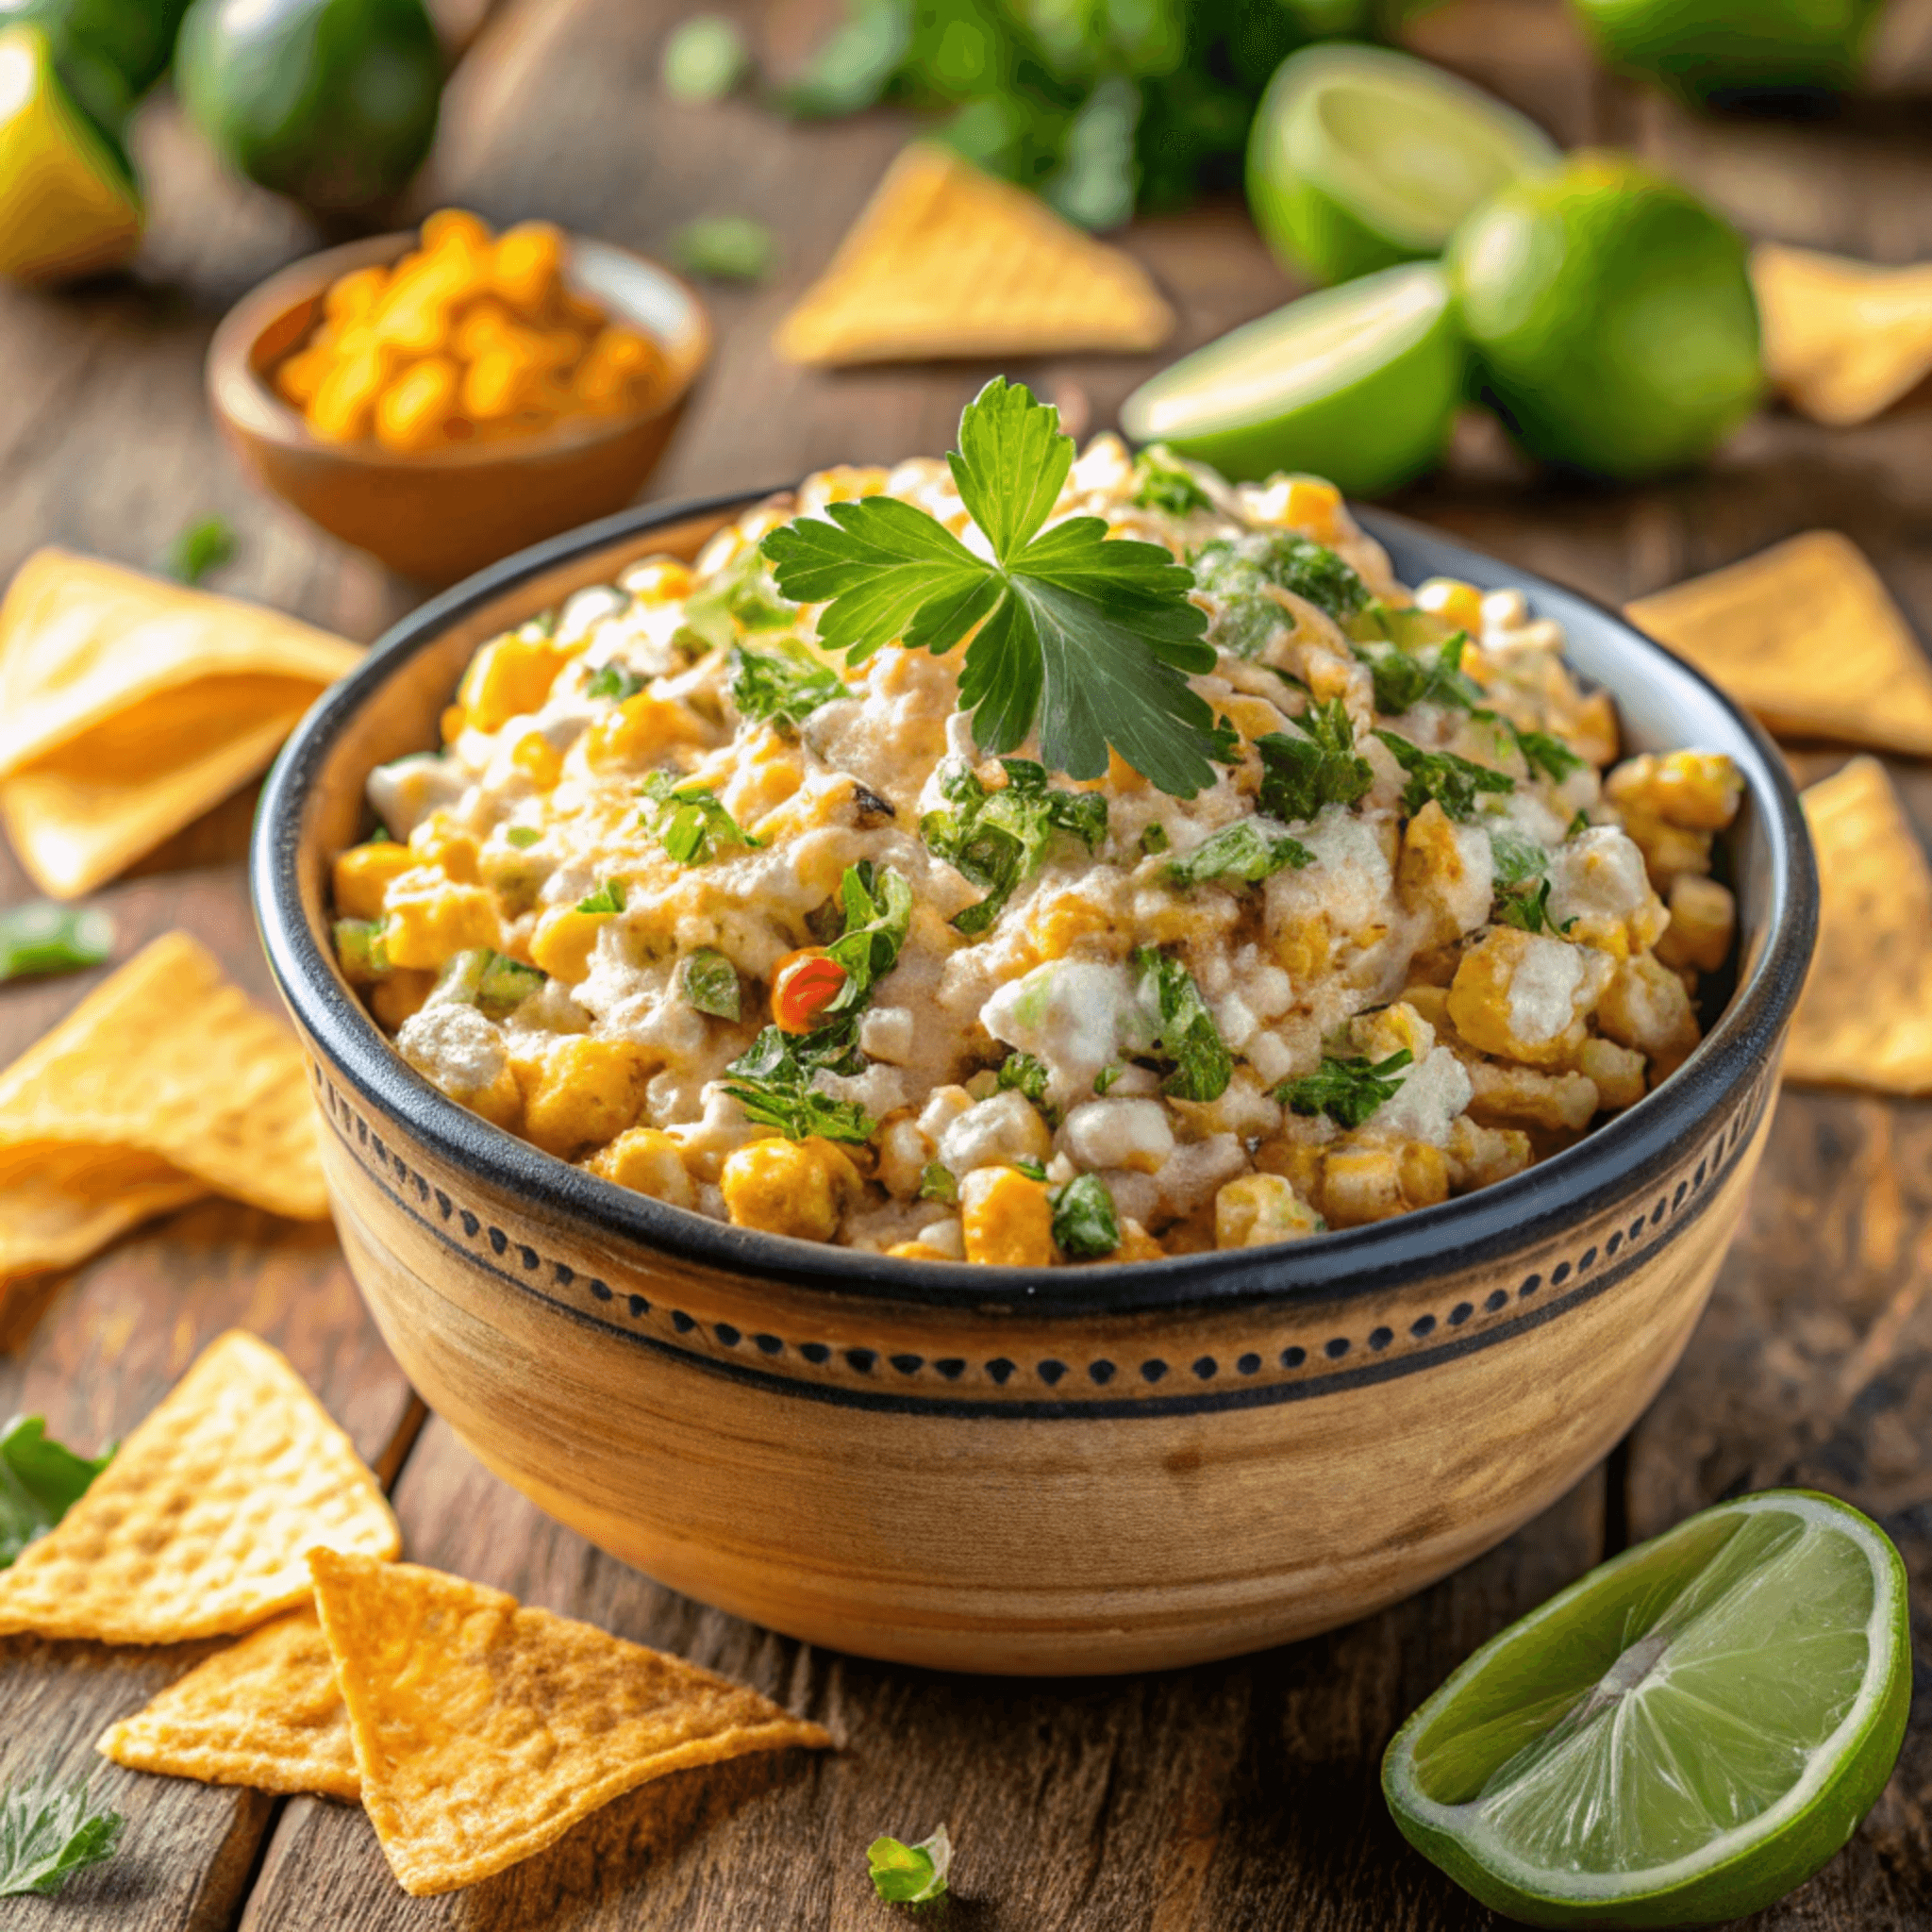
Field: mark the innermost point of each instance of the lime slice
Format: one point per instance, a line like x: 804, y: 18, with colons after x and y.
x: 68, y: 207
x: 1706, y: 48
x: 1359, y: 157
x: 1357, y: 384
x: 1612, y: 317
x: 1680, y: 1739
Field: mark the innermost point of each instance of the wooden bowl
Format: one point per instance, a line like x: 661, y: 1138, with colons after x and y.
x: 440, y: 514
x: 1111, y: 1468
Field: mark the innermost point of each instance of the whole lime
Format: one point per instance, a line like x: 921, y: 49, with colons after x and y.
x: 332, y: 101
x: 1611, y: 316
x: 1705, y: 49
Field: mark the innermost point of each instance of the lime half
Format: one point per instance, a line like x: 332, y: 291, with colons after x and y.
x: 1359, y: 157
x: 1680, y: 1739
x: 1357, y: 384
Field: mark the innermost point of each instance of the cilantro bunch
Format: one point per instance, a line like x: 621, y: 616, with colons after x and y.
x: 1084, y: 638
x: 994, y: 839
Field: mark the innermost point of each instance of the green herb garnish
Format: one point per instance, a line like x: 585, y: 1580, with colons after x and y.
x: 1515, y: 858
x: 1452, y: 782
x: 40, y: 937
x: 785, y: 686
x: 1545, y: 753
x: 1084, y: 1224
x: 936, y: 1183
x: 614, y: 682
x: 1577, y: 825
x: 361, y: 948
x: 1320, y: 766
x: 1033, y: 1169
x: 48, y: 1832
x: 608, y: 897
x: 523, y: 836
x: 1087, y: 636
x: 505, y: 983
x: 910, y: 1875
x: 1240, y: 571
x: 1185, y: 1032
x: 690, y: 823
x: 203, y: 547
x: 878, y: 914
x: 1153, y: 839
x: 709, y: 981
x: 772, y: 1081
x: 742, y: 596
x: 997, y: 839
x: 725, y: 248
x: 39, y: 1481
x: 1161, y: 484
x: 705, y: 59
x: 1102, y: 1081
x: 1348, y: 1090
x: 1405, y: 679
x: 1530, y: 911
x: 1242, y: 851
x: 1023, y: 1072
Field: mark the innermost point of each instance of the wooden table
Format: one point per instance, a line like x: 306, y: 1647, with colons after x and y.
x: 1242, y: 1795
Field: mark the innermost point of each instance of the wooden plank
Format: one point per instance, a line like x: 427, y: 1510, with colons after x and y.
x: 1239, y: 1794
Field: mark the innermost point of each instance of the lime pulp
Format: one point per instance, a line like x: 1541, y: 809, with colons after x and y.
x: 1678, y: 1738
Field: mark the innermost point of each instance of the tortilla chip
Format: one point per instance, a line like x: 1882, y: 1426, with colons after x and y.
x: 484, y: 1731
x: 1843, y: 340
x: 945, y: 260
x: 166, y: 1077
x: 1806, y: 635
x: 265, y: 1714
x: 1865, y: 1019
x: 200, y: 1524
x: 129, y: 706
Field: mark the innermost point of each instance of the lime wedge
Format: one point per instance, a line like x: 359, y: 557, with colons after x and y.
x: 1680, y: 1739
x: 1357, y: 384
x: 1359, y: 157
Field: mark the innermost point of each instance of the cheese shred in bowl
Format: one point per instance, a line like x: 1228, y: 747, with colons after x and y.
x: 692, y: 900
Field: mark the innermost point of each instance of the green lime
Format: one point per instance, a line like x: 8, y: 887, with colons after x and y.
x: 1359, y: 157
x: 68, y: 205
x: 1358, y: 384
x: 332, y: 101
x: 1705, y: 49
x: 1680, y: 1737
x: 1611, y: 316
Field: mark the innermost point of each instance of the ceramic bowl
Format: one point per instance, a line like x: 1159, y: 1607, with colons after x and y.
x: 439, y: 515
x: 1105, y: 1469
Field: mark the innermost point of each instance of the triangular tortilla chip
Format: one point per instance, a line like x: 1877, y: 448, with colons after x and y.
x: 1843, y: 340
x: 265, y: 1712
x: 199, y: 1525
x: 1806, y: 635
x: 1865, y: 1019
x: 170, y: 1062
x: 945, y: 260
x: 129, y: 706
x: 59, y: 1204
x: 484, y: 1731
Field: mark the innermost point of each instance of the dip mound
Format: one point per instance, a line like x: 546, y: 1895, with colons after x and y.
x: 690, y: 898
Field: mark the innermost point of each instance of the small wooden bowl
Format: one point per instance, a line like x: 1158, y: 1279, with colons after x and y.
x: 1071, y: 1471
x: 440, y: 514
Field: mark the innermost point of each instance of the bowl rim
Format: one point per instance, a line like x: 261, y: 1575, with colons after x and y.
x: 239, y: 396
x: 1581, y: 1181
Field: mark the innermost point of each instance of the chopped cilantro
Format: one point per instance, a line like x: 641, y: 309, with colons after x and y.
x: 1516, y: 859
x: 48, y: 1832
x: 996, y: 839
x: 1320, y: 766
x: 1153, y: 839
x: 1025, y: 1073
x: 1578, y: 825
x: 1033, y: 1169
x: 742, y: 596
x: 936, y: 1183
x: 709, y: 981
x: 1452, y: 782
x: 1405, y: 679
x: 523, y: 836
x: 1227, y: 741
x: 1186, y: 1031
x: 199, y: 548
x: 1162, y: 483
x: 878, y: 914
x: 1529, y: 910
x: 690, y: 823
x: 614, y: 682
x: 910, y: 1875
x: 1239, y: 573
x: 1348, y: 1090
x: 41, y: 1480
x: 785, y: 686
x: 1085, y: 1225
x: 1545, y: 754
x: 1084, y: 637
x: 1102, y: 1081
x: 772, y: 1081
x: 608, y: 897
x: 1242, y: 851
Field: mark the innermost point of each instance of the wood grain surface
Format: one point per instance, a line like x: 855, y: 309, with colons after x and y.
x: 1236, y: 1797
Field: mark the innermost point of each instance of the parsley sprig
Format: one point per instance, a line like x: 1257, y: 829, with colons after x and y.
x: 1184, y: 1029
x: 1452, y: 782
x: 1347, y: 1089
x: 1245, y: 853
x: 48, y: 1832
x: 690, y: 823
x: 1317, y: 766
x: 41, y: 1480
x: 996, y: 839
x: 1088, y: 638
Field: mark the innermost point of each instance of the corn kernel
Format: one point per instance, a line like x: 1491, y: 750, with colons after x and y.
x: 563, y: 943
x: 538, y: 760
x: 354, y: 297
x: 344, y: 406
x: 400, y: 997
x: 417, y: 411
x: 1258, y: 1208
x: 483, y: 325
x: 364, y: 872
x: 1007, y: 1219
x: 648, y: 1162
x: 641, y: 728
x: 453, y: 853
x: 1360, y: 1185
x: 1703, y: 917
x: 529, y: 260
x: 1137, y: 1245
x: 300, y: 376
x: 1617, y: 1073
x: 427, y: 927
x: 1455, y: 603
x: 918, y: 1251
x: 582, y: 1090
x: 457, y: 227
x: 800, y: 1188
x: 510, y: 679
x: 452, y: 723
x: 659, y: 580
x: 498, y: 382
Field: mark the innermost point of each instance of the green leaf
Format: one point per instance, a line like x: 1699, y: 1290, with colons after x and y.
x: 39, y: 1481
x: 1239, y: 573
x: 936, y: 1183
x: 1317, y: 767
x: 1530, y: 911
x: 608, y: 897
x: 709, y: 981
x: 200, y: 548
x: 1085, y: 1225
x: 1242, y: 851
x: 1153, y: 839
x: 1161, y: 484
x: 689, y: 822
x: 40, y: 937
x: 1347, y: 1089
x: 995, y: 840
x: 1579, y: 824
x: 782, y: 687
x: 725, y: 248
x: 879, y: 915
x: 1023, y: 1072
x: 614, y: 682
x: 1548, y: 754
x: 48, y: 1832
x: 361, y: 948
x: 742, y: 597
x: 505, y: 983
x: 1011, y: 465
x: 1452, y: 782
x: 1033, y: 1169
x: 910, y: 1875
x: 1104, y: 1080
x: 772, y: 1081
x: 1185, y: 1032
x: 1405, y: 679
x: 523, y: 837
x: 1516, y: 859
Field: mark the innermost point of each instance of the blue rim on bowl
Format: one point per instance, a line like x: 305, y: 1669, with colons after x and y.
x: 1672, y: 704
